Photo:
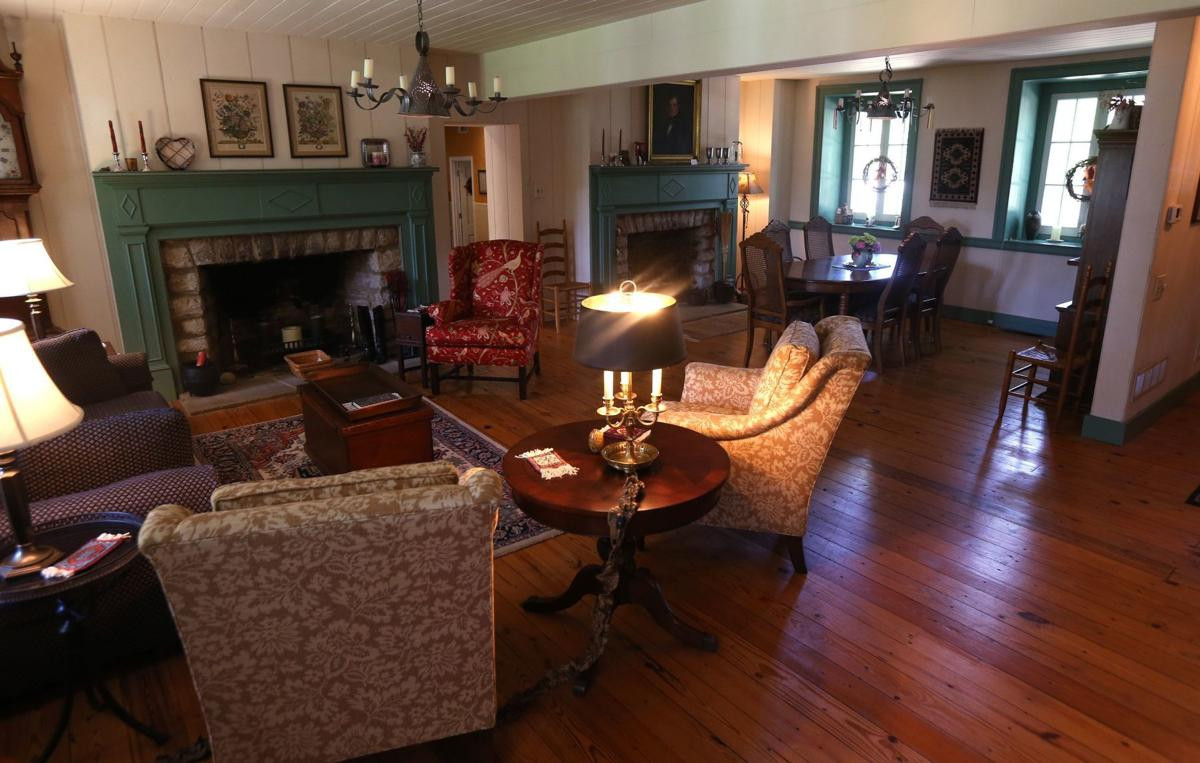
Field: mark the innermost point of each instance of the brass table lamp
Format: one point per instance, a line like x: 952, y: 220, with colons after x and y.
x: 620, y: 333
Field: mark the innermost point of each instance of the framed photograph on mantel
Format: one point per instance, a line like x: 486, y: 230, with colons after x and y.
x: 236, y: 118
x: 673, y: 118
x: 316, y: 124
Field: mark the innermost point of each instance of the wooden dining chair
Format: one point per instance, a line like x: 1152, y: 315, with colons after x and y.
x: 928, y: 294
x: 926, y: 226
x: 891, y: 311
x: 769, y: 307
x: 1091, y: 301
x: 559, y: 289
x: 818, y: 238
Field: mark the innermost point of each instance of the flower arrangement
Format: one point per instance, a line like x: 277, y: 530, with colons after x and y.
x: 864, y: 244
x: 415, y: 139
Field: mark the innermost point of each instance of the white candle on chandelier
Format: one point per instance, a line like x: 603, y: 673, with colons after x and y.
x: 608, y: 385
x: 449, y: 76
x: 656, y: 383
x: 471, y: 90
x: 496, y: 85
x: 908, y: 92
x: 353, y: 79
x: 403, y: 82
x: 368, y: 68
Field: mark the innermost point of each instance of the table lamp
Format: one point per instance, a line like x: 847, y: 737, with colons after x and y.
x: 619, y: 333
x: 31, y: 410
x: 747, y: 184
x: 26, y: 270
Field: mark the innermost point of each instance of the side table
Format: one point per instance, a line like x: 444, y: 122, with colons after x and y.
x: 410, y: 332
x: 74, y: 597
x: 681, y: 486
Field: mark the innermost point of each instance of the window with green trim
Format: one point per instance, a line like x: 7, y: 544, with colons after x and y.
x: 841, y: 156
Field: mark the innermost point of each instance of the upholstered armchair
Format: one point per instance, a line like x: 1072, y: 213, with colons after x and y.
x: 339, y: 616
x: 493, y: 314
x: 776, y: 423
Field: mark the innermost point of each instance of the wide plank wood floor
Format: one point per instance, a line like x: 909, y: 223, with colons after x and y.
x: 976, y: 591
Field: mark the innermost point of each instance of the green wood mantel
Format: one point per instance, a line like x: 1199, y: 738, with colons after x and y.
x: 138, y: 210
x: 616, y: 191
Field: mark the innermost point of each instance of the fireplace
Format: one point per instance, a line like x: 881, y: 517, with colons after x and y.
x: 233, y: 296
x: 670, y: 252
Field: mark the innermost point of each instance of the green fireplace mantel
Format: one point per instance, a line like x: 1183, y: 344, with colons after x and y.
x: 138, y: 210
x: 616, y: 191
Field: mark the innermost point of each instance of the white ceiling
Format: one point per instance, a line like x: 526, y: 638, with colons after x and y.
x: 977, y: 51
x: 464, y: 25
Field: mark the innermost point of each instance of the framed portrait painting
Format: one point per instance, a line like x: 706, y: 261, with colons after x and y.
x: 236, y: 118
x: 673, y: 117
x: 316, y: 124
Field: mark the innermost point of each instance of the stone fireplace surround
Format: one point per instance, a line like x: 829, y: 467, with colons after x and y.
x: 706, y: 244
x: 369, y: 254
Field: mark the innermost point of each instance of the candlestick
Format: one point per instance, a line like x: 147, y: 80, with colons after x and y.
x: 656, y: 383
x: 603, y: 153
x: 1056, y: 233
x: 620, y: 139
x: 496, y: 85
x: 354, y: 79
x: 368, y: 68
x: 403, y: 82
x: 471, y: 90
x: 112, y: 135
x: 608, y: 385
x: 142, y: 137
x: 449, y: 76
x: 145, y: 162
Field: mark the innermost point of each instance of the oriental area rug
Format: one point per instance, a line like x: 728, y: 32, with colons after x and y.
x: 275, y: 450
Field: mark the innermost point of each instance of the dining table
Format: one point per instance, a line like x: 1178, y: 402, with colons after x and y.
x: 830, y: 275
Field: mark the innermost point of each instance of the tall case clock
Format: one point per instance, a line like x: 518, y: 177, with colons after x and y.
x: 18, y: 180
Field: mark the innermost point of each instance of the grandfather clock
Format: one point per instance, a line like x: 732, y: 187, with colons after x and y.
x: 17, y: 178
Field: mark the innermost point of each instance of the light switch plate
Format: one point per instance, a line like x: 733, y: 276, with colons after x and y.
x: 1173, y: 214
x: 1160, y: 286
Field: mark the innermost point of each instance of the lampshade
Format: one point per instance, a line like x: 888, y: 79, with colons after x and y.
x: 26, y: 268
x: 748, y: 183
x: 629, y: 331
x: 31, y: 407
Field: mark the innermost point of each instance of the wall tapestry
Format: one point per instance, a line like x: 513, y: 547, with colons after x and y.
x: 237, y: 118
x: 316, y: 125
x: 957, y: 156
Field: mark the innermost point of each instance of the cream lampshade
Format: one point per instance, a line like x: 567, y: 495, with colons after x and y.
x: 32, y: 409
x: 26, y: 270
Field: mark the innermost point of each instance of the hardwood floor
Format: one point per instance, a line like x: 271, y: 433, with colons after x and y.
x: 974, y: 592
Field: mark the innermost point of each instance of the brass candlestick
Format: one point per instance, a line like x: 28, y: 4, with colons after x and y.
x: 629, y: 454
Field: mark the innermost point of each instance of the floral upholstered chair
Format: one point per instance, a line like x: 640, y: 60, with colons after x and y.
x: 493, y: 314
x: 776, y: 423
x: 339, y: 616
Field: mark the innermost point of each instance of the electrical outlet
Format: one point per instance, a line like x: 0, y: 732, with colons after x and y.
x: 1149, y: 378
x: 1160, y: 286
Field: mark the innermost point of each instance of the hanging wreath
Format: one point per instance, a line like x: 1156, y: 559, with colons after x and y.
x: 1088, y: 166
x: 884, y: 173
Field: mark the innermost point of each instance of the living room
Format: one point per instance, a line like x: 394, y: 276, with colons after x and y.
x: 774, y: 380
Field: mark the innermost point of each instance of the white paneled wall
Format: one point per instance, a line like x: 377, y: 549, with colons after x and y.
x: 506, y: 215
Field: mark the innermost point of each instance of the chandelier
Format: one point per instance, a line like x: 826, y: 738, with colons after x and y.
x: 424, y: 98
x: 882, y: 105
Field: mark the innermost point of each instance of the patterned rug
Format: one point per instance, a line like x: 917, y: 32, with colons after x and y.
x: 275, y: 450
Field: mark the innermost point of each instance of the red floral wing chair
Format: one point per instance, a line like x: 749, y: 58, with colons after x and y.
x: 493, y: 314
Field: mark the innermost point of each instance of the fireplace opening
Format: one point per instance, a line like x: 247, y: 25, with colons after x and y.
x: 670, y: 252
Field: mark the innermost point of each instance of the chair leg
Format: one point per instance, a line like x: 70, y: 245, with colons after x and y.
x: 749, y: 345
x: 1064, y: 388
x: 877, y: 347
x: 795, y: 544
x: 537, y: 363
x: 1008, y: 375
x: 1033, y: 371
x: 556, y: 303
x: 435, y: 381
x: 522, y: 382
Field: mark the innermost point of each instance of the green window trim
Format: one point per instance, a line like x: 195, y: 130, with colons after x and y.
x: 1029, y: 94
x: 832, y: 149
x: 1063, y: 248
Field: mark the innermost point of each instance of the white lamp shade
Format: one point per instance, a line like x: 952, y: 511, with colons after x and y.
x: 31, y: 407
x: 26, y: 268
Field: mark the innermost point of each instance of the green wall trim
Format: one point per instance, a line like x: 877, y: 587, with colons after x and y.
x: 1042, y: 246
x: 615, y: 191
x: 138, y: 210
x: 1021, y: 130
x: 1121, y: 432
x: 1018, y: 323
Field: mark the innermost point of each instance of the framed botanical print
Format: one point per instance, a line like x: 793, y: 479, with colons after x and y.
x: 316, y: 124
x: 237, y: 118
x: 674, y: 121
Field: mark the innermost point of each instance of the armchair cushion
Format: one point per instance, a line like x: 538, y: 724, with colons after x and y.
x: 794, y: 353
x: 448, y: 310
x: 383, y: 479
x: 714, y: 387
x: 485, y: 332
x: 144, y: 400
x: 78, y: 364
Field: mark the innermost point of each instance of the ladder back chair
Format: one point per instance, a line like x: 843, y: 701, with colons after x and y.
x: 560, y: 290
x: 1090, y: 304
x: 769, y: 306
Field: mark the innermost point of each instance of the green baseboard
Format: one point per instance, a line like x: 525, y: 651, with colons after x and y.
x: 1121, y: 432
x: 1018, y: 323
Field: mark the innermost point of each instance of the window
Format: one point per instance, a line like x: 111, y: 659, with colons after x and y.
x: 841, y: 155
x: 1072, y: 119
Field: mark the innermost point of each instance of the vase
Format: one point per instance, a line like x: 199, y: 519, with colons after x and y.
x: 1033, y: 224
x: 417, y: 159
x: 861, y: 259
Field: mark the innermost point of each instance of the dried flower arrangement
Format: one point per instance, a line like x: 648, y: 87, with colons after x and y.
x: 416, y: 138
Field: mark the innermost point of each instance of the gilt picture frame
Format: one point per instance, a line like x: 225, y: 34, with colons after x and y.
x: 673, y: 121
x: 315, y: 120
x: 237, y: 118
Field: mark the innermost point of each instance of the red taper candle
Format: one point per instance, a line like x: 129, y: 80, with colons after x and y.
x: 112, y: 135
x: 142, y: 136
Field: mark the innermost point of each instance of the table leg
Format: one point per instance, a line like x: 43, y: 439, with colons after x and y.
x: 585, y: 582
x: 844, y: 303
x: 643, y: 589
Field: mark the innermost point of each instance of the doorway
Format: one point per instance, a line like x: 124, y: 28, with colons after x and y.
x: 466, y: 178
x: 462, y: 200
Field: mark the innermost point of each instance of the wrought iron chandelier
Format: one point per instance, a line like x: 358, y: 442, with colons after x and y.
x: 424, y: 98
x: 882, y: 105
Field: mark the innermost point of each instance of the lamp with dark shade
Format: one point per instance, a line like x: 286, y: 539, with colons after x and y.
x: 747, y: 185
x: 620, y: 333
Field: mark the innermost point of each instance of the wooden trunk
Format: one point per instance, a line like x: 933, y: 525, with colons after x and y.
x: 336, y: 444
